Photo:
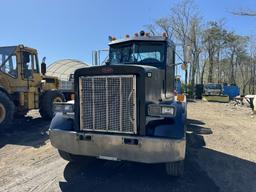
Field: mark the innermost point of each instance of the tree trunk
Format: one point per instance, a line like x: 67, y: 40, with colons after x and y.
x: 210, y: 75
x: 254, y: 79
x: 194, y: 68
x: 243, y: 89
x: 186, y: 70
x: 202, y: 74
x: 218, y: 65
x: 232, y: 75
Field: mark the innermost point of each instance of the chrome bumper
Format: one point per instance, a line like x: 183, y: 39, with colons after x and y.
x: 116, y: 147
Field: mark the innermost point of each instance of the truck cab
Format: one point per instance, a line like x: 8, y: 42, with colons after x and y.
x: 126, y: 109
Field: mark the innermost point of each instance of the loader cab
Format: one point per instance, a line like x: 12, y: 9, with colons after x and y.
x: 20, y: 75
x: 29, y: 64
x: 19, y: 63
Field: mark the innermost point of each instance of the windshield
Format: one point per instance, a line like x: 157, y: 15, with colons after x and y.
x: 142, y: 53
x: 8, y: 61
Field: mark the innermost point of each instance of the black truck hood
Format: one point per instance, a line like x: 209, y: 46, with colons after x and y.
x: 114, y: 70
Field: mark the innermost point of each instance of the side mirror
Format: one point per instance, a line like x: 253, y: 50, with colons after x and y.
x: 43, y: 66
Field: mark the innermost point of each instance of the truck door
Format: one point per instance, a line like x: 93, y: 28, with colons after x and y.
x: 30, y: 73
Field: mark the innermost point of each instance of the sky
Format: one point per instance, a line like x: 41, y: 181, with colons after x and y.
x: 65, y: 29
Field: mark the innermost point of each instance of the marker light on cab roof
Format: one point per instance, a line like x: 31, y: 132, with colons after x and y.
x: 165, y: 35
x: 111, y: 38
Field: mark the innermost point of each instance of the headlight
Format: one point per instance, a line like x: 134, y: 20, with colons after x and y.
x: 167, y: 110
x: 161, y: 110
x: 63, y: 107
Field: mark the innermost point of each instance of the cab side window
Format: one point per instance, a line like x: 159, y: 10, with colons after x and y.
x: 35, y: 64
x: 10, y: 65
x: 27, y: 65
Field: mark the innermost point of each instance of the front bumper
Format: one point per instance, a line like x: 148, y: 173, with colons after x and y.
x: 116, y: 147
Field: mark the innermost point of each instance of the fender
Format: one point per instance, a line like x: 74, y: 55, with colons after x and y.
x: 171, y: 127
x: 62, y: 122
x: 4, y: 91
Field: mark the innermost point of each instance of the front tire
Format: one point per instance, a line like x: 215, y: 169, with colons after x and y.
x: 175, y: 169
x: 7, y: 110
x: 46, y: 103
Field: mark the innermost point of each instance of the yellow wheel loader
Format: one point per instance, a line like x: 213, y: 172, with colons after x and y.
x: 23, y: 87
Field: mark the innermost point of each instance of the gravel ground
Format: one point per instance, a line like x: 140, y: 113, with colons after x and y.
x: 221, y: 156
x: 229, y: 157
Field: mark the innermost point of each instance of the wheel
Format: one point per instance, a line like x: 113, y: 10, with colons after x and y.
x: 46, y: 103
x: 175, y: 168
x: 75, y: 158
x: 7, y: 109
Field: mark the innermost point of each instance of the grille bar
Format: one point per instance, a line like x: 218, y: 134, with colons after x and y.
x: 108, y: 103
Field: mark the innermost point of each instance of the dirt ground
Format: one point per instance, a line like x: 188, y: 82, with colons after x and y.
x: 221, y: 156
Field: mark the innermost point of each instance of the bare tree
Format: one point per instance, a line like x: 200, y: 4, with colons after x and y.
x: 204, y: 62
x: 217, y: 55
x: 236, y: 46
x: 182, y: 15
x: 195, y: 38
x: 182, y: 26
x: 165, y: 25
x: 232, y: 46
x: 151, y: 28
x: 185, y: 23
x: 161, y: 25
x: 244, y: 12
x: 243, y: 62
x: 252, y: 55
x: 213, y: 42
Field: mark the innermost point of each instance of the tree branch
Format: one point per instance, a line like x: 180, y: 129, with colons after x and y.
x: 244, y: 13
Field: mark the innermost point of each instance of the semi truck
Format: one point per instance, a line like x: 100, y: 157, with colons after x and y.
x: 24, y: 87
x: 125, y: 110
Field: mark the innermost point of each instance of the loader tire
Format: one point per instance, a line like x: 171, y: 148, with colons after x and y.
x: 7, y: 110
x: 75, y: 158
x: 175, y: 169
x: 46, y: 103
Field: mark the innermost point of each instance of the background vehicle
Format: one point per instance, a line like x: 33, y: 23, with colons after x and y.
x: 126, y: 110
x: 23, y: 87
x: 215, y: 92
x: 213, y: 89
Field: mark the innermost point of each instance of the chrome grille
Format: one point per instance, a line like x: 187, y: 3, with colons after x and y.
x: 108, y: 103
